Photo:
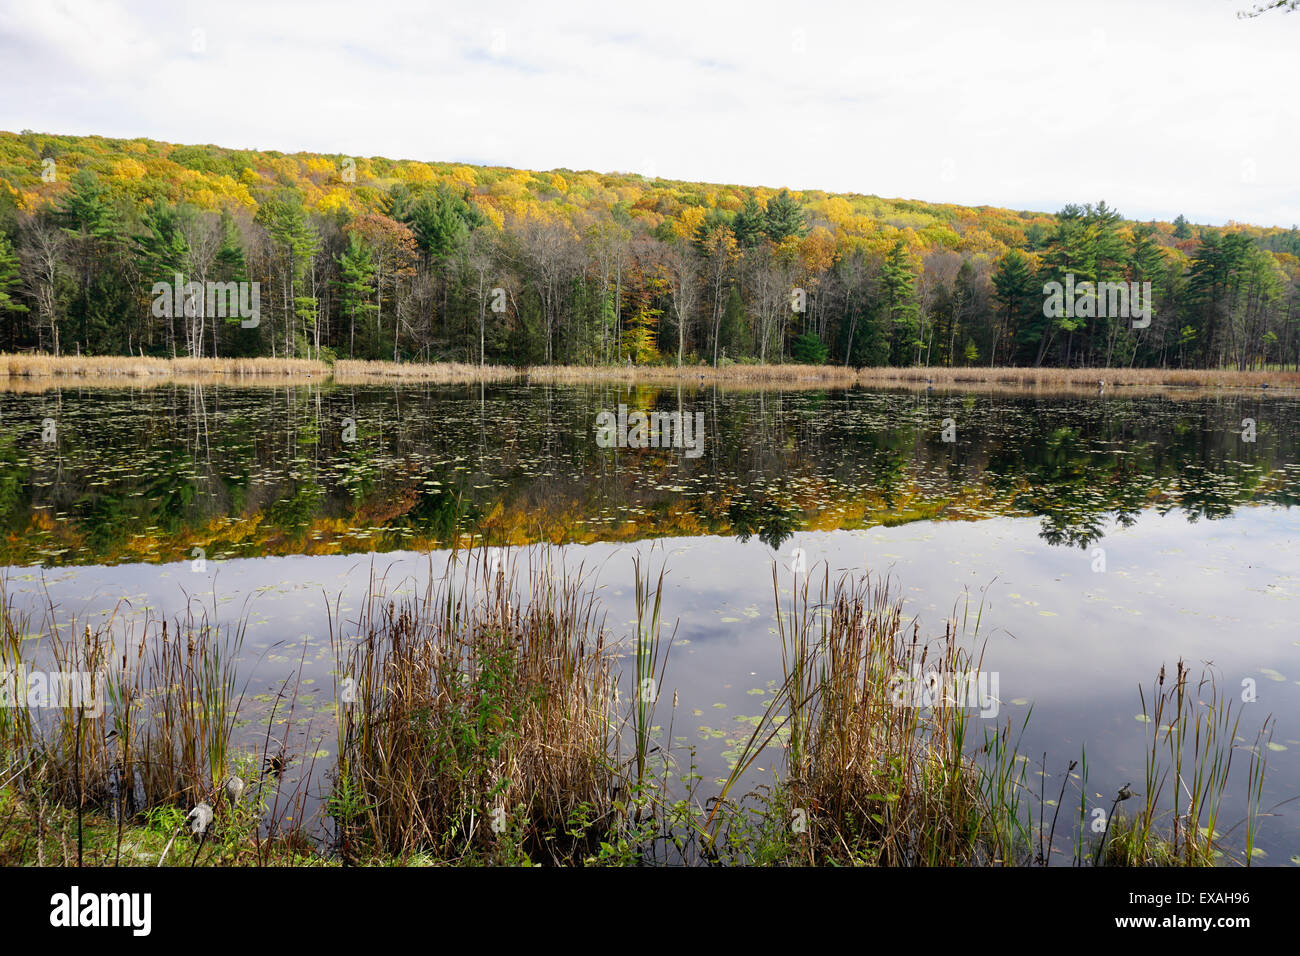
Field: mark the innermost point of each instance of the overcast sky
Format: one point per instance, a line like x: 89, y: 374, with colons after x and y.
x: 1157, y: 106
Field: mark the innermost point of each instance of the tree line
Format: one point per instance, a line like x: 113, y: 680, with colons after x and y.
x: 524, y: 268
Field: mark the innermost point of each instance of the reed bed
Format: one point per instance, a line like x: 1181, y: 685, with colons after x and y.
x: 37, y: 386
x: 131, y: 720
x: 473, y: 722
x: 882, y: 766
x: 17, y: 371
x: 1193, y: 740
x: 356, y: 372
x: 1081, y: 378
x: 877, y: 755
x: 153, y: 722
x: 40, y: 366
x: 737, y: 375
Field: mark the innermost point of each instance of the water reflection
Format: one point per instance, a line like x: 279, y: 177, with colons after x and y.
x: 150, y: 474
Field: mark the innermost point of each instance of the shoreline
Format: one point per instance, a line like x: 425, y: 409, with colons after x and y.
x: 36, y: 372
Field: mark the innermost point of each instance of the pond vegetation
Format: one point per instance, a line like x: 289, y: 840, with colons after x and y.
x: 481, y: 722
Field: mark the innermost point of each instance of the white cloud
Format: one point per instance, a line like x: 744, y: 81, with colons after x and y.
x: 1160, y: 107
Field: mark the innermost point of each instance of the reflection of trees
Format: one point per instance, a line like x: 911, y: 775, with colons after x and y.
x: 1067, y: 489
x: 1112, y: 464
x: 1205, y: 494
x: 773, y: 522
x: 441, y: 513
x: 518, y: 463
x: 15, y: 497
x: 294, y: 512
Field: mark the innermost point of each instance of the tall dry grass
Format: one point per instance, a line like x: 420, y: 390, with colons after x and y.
x: 736, y: 375
x: 357, y: 372
x: 472, y: 718
x: 36, y: 366
x: 880, y: 778
x: 19, y: 372
x: 1082, y: 378
x: 149, y: 726
x: 1073, y: 379
x: 479, y: 721
x: 1194, y: 736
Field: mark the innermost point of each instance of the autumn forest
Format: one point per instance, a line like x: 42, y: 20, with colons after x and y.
x: 413, y: 261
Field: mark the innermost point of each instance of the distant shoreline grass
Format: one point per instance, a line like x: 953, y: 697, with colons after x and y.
x: 28, y: 372
x: 39, y: 366
x: 350, y: 371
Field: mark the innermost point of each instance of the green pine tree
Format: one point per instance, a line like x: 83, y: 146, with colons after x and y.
x: 783, y: 217
x: 898, y: 294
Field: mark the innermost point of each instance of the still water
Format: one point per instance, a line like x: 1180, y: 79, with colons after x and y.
x: 1102, y: 536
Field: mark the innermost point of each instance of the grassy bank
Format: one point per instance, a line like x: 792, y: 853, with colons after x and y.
x: 35, y: 372
x: 145, y: 368
x: 1086, y: 378
x: 823, y: 376
x: 495, y: 718
x: 350, y: 372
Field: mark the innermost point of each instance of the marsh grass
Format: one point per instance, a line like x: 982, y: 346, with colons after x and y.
x: 736, y: 375
x: 357, y: 372
x: 1191, y: 745
x: 879, y: 779
x: 167, y: 703
x: 651, y: 658
x: 154, y: 737
x: 1078, y: 381
x: 1086, y: 379
x: 41, y: 366
x: 35, y: 371
x: 475, y: 719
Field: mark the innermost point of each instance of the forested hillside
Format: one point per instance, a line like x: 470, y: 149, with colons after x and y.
x: 414, y: 261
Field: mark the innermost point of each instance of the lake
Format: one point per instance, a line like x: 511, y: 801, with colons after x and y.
x: 1098, y: 537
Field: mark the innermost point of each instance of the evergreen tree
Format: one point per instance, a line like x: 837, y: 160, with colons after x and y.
x: 231, y: 266
x: 441, y: 221
x: 733, y: 329
x: 808, y: 349
x: 356, y: 284
x: 749, y: 224
x: 161, y: 248
x: 1019, y: 295
x: 783, y: 218
x: 87, y: 214
x: 897, y: 287
x: 296, y: 242
x: 10, y: 283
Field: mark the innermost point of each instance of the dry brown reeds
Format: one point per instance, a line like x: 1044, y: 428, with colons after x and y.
x: 877, y: 755
x: 24, y: 372
x: 733, y: 375
x: 471, y: 711
x: 1079, y: 378
x: 127, y: 717
x: 144, y: 368
x: 356, y: 372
